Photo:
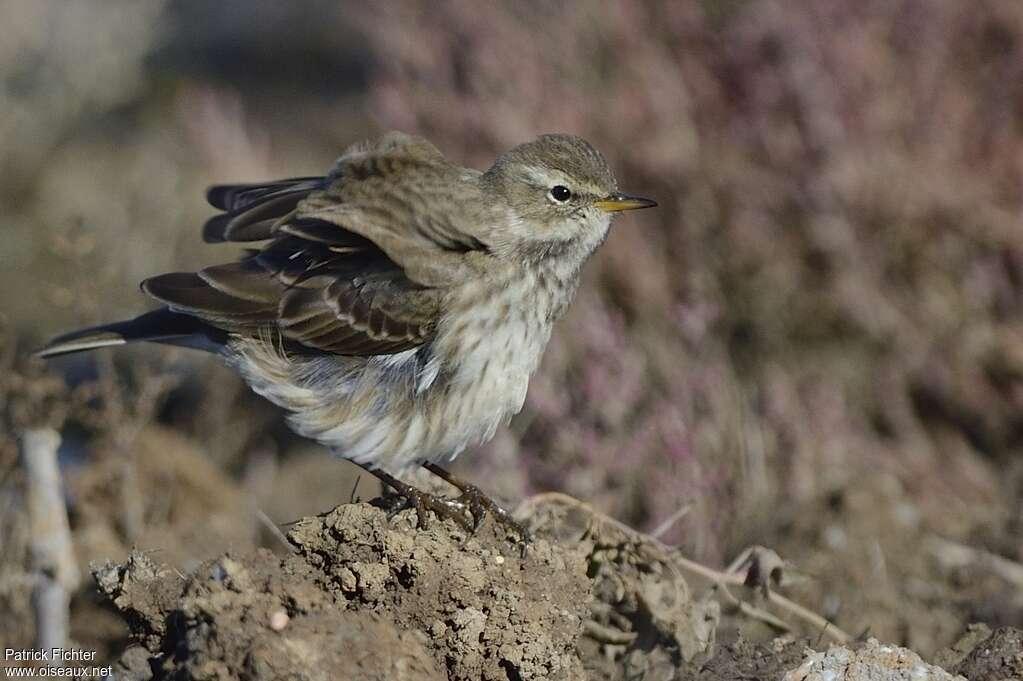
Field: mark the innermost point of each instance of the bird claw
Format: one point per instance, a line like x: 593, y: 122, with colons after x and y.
x: 479, y: 505
x: 422, y: 502
x: 469, y: 510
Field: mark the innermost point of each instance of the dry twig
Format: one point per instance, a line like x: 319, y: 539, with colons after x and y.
x: 953, y: 554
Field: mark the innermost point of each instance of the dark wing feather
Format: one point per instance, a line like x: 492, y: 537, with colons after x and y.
x: 321, y: 286
x: 251, y: 210
x: 233, y: 197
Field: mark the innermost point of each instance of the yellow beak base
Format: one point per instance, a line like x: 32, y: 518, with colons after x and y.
x: 619, y: 202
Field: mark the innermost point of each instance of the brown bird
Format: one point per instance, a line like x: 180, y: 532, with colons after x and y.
x: 397, y: 306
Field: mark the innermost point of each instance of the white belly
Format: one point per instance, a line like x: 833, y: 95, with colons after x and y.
x: 396, y: 411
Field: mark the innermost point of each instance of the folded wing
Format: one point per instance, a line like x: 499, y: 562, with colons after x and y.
x: 343, y: 268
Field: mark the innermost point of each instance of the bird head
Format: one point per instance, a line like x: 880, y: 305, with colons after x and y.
x: 561, y: 195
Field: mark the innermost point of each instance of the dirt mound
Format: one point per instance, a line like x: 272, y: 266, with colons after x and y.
x: 365, y: 597
x: 490, y: 613
x: 259, y: 617
x: 380, y: 599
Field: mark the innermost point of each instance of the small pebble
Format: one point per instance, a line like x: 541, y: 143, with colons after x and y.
x: 279, y: 620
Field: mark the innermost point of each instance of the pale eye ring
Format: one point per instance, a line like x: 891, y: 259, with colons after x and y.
x: 560, y: 193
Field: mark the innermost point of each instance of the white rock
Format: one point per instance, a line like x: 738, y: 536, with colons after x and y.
x: 872, y: 662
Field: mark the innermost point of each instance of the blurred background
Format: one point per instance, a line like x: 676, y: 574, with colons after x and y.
x: 815, y: 343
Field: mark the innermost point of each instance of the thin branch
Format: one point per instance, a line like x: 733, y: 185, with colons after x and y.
x: 954, y: 554
x: 670, y: 521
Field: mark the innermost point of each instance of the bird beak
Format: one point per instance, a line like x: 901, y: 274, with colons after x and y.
x: 619, y: 201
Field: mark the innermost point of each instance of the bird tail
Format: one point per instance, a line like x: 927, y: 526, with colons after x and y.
x: 158, y: 326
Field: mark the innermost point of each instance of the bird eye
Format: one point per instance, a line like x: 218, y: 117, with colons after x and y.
x: 560, y: 193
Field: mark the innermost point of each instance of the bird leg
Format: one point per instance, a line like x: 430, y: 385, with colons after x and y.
x: 407, y: 496
x: 479, y: 504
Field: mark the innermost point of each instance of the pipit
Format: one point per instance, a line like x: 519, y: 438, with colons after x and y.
x: 396, y: 307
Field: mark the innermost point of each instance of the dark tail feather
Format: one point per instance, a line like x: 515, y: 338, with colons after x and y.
x: 158, y: 326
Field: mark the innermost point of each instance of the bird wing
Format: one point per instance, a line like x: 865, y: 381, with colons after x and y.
x: 351, y: 264
x: 423, y: 212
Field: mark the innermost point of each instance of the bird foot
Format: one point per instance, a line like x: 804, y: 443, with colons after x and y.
x: 469, y: 510
x: 479, y: 505
x: 409, y: 497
